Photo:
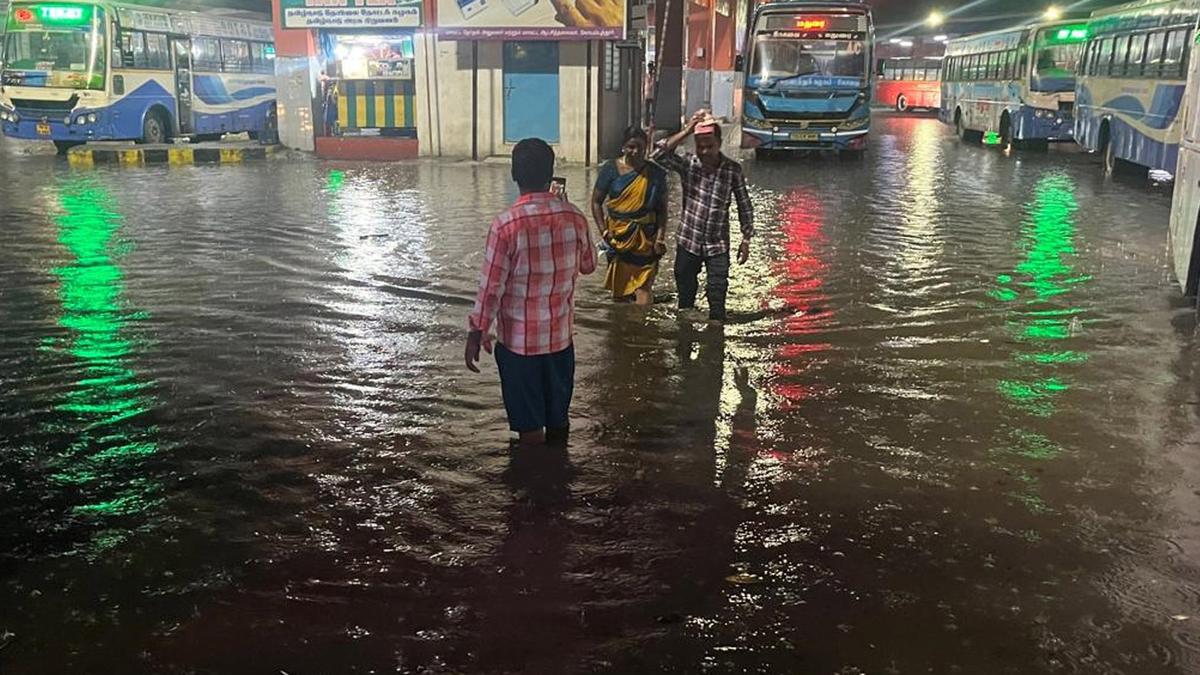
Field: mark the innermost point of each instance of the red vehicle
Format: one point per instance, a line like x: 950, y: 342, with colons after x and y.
x: 908, y: 84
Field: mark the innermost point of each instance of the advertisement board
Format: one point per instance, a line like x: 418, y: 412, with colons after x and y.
x: 532, y: 19
x: 350, y: 13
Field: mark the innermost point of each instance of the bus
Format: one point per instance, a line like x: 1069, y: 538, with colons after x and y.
x: 75, y: 72
x: 1185, y: 206
x: 1013, y: 86
x: 808, y: 77
x: 908, y: 84
x: 1131, y: 82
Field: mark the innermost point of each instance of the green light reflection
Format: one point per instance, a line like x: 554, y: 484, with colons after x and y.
x: 1045, y: 275
x: 99, y: 462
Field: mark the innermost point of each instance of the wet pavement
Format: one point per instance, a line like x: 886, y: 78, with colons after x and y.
x: 952, y: 427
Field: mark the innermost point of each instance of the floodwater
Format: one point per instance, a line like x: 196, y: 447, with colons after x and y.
x: 951, y: 428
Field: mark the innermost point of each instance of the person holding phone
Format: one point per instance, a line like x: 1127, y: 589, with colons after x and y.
x: 536, y: 250
x: 629, y: 205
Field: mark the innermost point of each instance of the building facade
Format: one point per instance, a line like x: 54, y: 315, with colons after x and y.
x: 394, y: 82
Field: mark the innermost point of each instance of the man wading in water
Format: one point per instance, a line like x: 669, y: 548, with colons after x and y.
x: 536, y: 251
x: 710, y: 181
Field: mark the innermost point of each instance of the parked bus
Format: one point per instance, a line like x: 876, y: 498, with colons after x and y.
x: 1185, y: 207
x: 808, y: 76
x: 1014, y: 85
x: 1132, y: 80
x: 82, y: 71
x: 908, y: 84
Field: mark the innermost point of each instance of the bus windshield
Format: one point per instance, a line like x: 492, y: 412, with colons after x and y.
x: 779, y: 59
x: 1055, y: 60
x: 62, y: 59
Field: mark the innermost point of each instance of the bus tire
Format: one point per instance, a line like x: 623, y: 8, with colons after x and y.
x: 1006, y: 136
x: 155, y: 128
x: 63, y: 147
x: 901, y: 103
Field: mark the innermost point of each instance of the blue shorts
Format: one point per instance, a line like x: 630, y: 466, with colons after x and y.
x: 537, y: 389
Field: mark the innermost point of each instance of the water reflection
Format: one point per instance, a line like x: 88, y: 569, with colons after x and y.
x: 100, y: 408
x: 1041, y: 318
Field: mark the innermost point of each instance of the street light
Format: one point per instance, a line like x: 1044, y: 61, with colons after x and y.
x: 1053, y: 13
x: 936, y: 19
x: 941, y: 38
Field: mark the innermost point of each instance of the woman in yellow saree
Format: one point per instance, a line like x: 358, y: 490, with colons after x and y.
x: 629, y: 205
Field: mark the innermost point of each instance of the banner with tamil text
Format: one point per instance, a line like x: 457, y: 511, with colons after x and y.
x: 351, y: 13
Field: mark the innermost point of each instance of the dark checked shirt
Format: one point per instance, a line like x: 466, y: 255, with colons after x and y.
x: 704, y: 224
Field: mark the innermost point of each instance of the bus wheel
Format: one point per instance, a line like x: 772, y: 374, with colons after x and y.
x: 154, y: 130
x: 902, y: 103
x: 64, y: 146
x: 1006, y: 136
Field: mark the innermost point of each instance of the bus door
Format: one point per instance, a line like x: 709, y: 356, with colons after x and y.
x: 182, y: 48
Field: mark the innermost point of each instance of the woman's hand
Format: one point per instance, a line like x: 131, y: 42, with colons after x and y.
x: 660, y: 248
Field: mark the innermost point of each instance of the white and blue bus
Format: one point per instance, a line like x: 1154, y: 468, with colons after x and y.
x: 1015, y: 85
x: 74, y: 72
x: 1131, y: 82
x: 809, y: 76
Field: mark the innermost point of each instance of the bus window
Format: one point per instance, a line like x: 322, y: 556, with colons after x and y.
x: 235, y: 56
x: 1172, y: 65
x: 1103, y: 65
x: 1154, y: 53
x: 158, y: 55
x: 206, y: 54
x: 1137, y: 52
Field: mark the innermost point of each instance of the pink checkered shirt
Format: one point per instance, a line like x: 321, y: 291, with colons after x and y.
x: 535, y: 251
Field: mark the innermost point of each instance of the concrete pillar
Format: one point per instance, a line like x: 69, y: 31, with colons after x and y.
x: 298, y: 89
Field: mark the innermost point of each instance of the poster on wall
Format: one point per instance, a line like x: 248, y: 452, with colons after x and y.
x: 532, y: 19
x: 351, y: 13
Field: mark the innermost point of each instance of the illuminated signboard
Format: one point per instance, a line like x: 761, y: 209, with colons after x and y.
x: 809, y: 23
x: 1066, y: 35
x: 34, y: 16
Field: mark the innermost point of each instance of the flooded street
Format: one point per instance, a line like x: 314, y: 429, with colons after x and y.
x: 951, y: 427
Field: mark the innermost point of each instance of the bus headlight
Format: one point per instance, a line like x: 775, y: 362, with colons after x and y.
x: 67, y: 120
x: 91, y: 118
x: 81, y: 120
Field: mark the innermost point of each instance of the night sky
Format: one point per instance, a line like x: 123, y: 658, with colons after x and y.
x: 890, y: 12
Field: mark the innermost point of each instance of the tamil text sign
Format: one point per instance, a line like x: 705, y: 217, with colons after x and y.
x: 351, y: 13
x: 532, y: 19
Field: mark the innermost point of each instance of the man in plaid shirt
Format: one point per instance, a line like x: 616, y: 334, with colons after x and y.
x: 535, y: 252
x: 710, y: 181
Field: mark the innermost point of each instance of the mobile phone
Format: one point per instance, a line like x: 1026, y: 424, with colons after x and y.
x: 470, y: 8
x: 558, y: 187
x: 519, y: 7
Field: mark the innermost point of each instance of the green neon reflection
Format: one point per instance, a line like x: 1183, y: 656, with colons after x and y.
x: 1044, y: 276
x: 108, y: 393
x: 337, y: 178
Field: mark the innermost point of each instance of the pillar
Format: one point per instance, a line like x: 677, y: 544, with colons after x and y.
x: 297, y: 89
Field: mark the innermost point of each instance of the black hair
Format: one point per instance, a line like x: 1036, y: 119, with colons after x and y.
x: 635, y: 133
x: 532, y: 164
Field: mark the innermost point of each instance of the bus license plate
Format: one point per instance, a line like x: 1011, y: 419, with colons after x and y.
x: 805, y: 135
x: 43, y: 129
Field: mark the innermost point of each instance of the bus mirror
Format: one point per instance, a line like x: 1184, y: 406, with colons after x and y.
x: 739, y: 63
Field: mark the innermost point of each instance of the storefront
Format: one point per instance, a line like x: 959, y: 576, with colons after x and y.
x: 378, y: 83
x: 362, y: 74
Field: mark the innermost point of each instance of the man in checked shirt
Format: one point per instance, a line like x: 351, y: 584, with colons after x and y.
x: 710, y: 181
x: 535, y: 252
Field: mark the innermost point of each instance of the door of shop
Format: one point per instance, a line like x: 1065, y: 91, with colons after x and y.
x: 531, y: 91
